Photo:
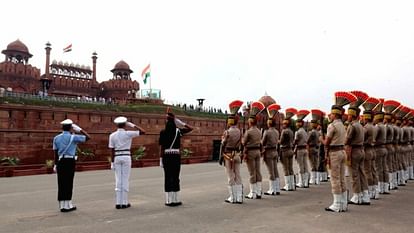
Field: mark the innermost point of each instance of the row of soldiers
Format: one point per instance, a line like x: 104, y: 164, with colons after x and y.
x: 375, y: 149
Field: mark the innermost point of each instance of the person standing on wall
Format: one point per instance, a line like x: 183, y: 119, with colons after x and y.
x: 64, y: 146
x: 120, y: 142
x: 170, y: 156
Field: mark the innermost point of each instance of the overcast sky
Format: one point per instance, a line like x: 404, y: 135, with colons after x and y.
x: 299, y: 52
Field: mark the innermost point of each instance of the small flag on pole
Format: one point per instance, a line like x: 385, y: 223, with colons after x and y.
x: 67, y: 48
x: 146, y: 73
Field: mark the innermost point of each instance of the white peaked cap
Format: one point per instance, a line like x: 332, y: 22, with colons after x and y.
x: 120, y: 120
x: 66, y: 122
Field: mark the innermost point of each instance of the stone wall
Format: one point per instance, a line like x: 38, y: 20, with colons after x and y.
x: 27, y: 131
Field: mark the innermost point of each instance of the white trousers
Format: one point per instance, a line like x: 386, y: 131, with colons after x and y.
x: 122, y: 165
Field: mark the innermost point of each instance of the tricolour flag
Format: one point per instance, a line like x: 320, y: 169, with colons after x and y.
x: 146, y: 73
x: 67, y: 48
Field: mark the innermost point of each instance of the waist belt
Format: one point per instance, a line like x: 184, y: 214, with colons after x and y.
x: 285, y: 147
x: 122, y: 155
x: 336, y: 147
x: 368, y: 146
x: 301, y: 147
x: 122, y: 152
x: 172, y: 151
x: 253, y: 148
x: 66, y: 157
x: 357, y: 146
x: 270, y: 147
x: 231, y: 149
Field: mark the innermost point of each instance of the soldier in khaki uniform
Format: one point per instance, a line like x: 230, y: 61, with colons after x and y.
x: 369, y: 161
x: 286, y: 151
x: 300, y: 140
x: 380, y: 150
x: 231, y: 146
x: 389, y: 107
x: 313, y: 145
x: 252, y: 151
x: 355, y: 142
x: 399, y: 146
x: 270, y: 142
x: 335, y: 140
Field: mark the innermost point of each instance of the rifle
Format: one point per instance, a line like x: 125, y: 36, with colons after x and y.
x: 221, y: 157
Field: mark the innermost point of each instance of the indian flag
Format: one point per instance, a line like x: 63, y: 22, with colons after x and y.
x: 67, y: 48
x: 146, y: 73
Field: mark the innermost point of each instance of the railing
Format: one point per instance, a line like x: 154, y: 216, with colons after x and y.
x: 49, y: 98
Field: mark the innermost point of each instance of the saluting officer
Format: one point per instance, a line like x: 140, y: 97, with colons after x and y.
x: 64, y: 146
x: 120, y: 144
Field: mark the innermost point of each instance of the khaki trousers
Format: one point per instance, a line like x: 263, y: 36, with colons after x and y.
x: 368, y: 160
x: 270, y: 159
x: 359, y: 179
x: 233, y: 170
x: 390, y: 158
x: 301, y: 158
x: 253, y: 166
x: 314, y: 159
x: 287, y: 161
x: 381, y: 161
x: 337, y: 165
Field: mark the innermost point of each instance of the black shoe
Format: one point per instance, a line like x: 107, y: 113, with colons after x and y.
x: 386, y: 193
x: 329, y: 209
x: 277, y: 193
x: 177, y: 203
x: 68, y: 210
x: 227, y: 201
x: 258, y: 196
x: 118, y: 207
x: 269, y: 194
x: 352, y: 203
x: 125, y: 206
x: 365, y: 203
x: 169, y: 204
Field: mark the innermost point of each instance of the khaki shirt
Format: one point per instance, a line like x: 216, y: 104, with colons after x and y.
x: 301, y: 137
x: 380, y: 134
x: 270, y: 138
x: 369, y: 134
x: 336, y: 132
x: 397, y: 132
x: 355, y: 134
x: 252, y: 137
x: 231, y: 137
x: 286, y: 138
x: 390, y: 133
x: 313, y: 139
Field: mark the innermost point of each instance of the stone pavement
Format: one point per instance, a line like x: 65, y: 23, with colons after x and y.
x: 28, y: 204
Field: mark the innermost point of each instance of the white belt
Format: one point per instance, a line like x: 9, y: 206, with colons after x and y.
x: 68, y: 157
x: 172, y: 151
x: 122, y: 152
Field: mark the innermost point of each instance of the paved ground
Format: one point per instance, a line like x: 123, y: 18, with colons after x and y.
x: 28, y: 204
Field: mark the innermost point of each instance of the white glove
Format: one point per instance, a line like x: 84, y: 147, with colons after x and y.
x: 161, y: 165
x: 76, y: 128
x: 179, y: 123
x: 54, y: 168
x: 112, y: 166
x: 129, y: 124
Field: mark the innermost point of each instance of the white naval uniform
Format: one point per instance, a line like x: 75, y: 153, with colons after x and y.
x: 120, y: 141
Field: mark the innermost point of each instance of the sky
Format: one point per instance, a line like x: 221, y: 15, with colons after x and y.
x: 298, y: 52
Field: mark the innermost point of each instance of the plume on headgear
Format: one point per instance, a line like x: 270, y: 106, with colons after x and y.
x: 234, y: 106
x: 255, y: 108
x: 378, y: 108
x: 370, y: 103
x: 361, y: 98
x: 301, y: 114
x: 401, y: 111
x: 390, y: 106
x: 343, y: 98
x: 272, y: 110
x: 290, y: 112
x: 317, y: 115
